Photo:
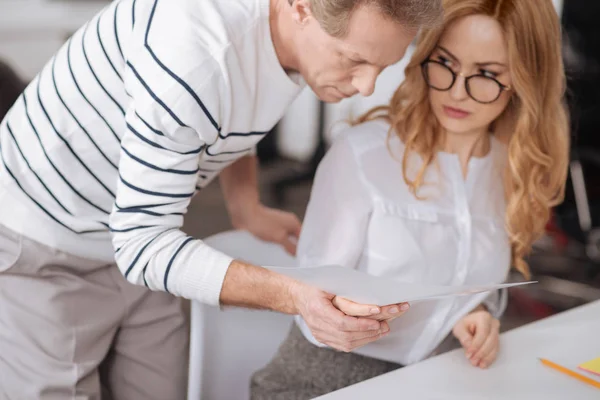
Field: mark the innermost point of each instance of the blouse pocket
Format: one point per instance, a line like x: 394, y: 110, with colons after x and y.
x: 396, y: 239
x: 10, y: 248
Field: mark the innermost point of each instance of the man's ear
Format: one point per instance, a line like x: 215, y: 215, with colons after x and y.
x: 301, y: 11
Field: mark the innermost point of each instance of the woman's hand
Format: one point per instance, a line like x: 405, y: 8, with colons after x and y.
x: 385, y: 313
x: 479, y: 334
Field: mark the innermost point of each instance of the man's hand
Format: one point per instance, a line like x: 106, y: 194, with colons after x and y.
x: 249, y: 286
x: 239, y: 183
x: 479, y: 334
x: 270, y: 224
x: 332, y: 327
x: 386, y: 313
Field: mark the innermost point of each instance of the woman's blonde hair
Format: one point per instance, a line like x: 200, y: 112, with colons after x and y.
x: 536, y: 116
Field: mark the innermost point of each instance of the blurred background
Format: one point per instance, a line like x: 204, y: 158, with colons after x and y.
x: 566, y: 261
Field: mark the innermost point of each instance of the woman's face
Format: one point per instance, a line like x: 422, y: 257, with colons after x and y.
x: 472, y: 45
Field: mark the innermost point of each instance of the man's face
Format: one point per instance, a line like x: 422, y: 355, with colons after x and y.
x: 337, y: 68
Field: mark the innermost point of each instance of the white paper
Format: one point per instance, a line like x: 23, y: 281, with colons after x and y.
x: 364, y: 288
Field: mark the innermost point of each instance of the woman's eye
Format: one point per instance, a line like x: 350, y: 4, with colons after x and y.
x: 488, y: 74
x: 444, y: 61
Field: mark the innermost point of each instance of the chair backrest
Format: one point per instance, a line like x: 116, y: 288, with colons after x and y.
x: 227, y: 346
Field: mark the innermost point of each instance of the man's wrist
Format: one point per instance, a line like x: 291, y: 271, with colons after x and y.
x: 240, y: 188
x: 241, y: 211
x: 250, y: 286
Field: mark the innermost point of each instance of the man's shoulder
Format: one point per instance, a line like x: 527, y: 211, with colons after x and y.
x: 234, y: 18
x: 205, y: 25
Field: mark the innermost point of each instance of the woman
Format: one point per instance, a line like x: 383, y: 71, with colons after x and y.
x: 424, y: 190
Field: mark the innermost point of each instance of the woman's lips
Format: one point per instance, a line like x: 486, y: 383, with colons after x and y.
x: 456, y: 113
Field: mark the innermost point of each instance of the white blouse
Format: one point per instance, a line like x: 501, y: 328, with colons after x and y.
x: 362, y: 215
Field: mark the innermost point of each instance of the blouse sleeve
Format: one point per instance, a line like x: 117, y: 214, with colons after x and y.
x: 336, y: 220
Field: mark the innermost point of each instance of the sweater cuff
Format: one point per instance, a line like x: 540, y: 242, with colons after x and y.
x: 201, y: 275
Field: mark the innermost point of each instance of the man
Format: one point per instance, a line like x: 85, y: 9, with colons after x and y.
x: 143, y: 107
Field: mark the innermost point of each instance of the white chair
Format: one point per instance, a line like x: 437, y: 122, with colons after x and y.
x: 227, y: 346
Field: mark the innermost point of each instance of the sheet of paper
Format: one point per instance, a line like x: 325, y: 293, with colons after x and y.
x: 592, y: 366
x: 363, y: 288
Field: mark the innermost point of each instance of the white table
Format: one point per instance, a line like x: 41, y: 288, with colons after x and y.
x: 568, y: 338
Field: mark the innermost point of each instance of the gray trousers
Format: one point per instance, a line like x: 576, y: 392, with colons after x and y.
x: 72, y: 328
x: 301, y: 370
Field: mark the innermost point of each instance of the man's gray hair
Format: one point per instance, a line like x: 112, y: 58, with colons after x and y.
x: 334, y: 15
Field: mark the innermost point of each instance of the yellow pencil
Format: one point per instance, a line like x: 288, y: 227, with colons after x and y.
x: 571, y: 373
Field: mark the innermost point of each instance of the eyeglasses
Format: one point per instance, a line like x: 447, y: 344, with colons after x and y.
x: 483, y: 89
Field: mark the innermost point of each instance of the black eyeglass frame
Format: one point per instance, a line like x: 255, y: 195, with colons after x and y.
x: 501, y: 86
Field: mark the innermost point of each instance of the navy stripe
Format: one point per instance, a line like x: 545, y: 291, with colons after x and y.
x: 148, y: 125
x: 227, y: 152
x: 154, y: 96
x: 158, y: 146
x: 67, y: 143
x: 133, y: 13
x: 83, y: 95
x: 147, y: 164
x: 31, y: 169
x: 198, y: 188
x: 145, y: 206
x: 208, y: 170
x: 104, y: 49
x: 161, y: 194
x: 50, y: 161
x: 189, y: 239
x: 144, y: 273
x: 138, y: 210
x: 87, y: 60
x: 117, y: 30
x: 139, y: 254
x: 232, y: 134
x: 203, y: 176
x: 42, y: 207
x: 75, y: 118
x: 174, y: 76
x: 219, y: 161
x: 135, y: 228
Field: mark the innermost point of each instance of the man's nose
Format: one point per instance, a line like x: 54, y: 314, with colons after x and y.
x: 365, y: 81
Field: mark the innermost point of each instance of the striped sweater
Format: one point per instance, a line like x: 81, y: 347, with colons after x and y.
x: 138, y: 111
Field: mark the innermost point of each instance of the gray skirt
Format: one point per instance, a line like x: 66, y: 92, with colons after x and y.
x: 300, y: 370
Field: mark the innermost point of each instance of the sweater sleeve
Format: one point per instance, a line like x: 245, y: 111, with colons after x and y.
x: 175, y: 103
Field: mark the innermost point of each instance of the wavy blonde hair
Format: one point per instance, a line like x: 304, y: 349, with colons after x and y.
x: 536, y: 117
